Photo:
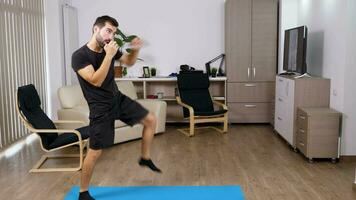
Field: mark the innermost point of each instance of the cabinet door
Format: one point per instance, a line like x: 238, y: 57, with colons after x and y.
x: 238, y: 40
x: 264, y: 40
x: 284, y: 111
x: 289, y: 111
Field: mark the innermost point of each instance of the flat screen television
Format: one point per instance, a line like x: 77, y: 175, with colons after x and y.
x: 295, y: 49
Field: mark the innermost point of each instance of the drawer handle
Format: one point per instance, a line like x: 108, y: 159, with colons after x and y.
x: 302, y: 131
x: 280, y: 80
x: 301, y: 144
x: 250, y: 85
x: 279, y: 118
x: 302, y: 117
x: 279, y: 99
x: 250, y: 106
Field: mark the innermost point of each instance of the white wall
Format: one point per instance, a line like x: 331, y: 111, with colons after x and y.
x: 326, y: 54
x: 330, y: 53
x: 288, y: 18
x: 175, y: 32
x: 349, y: 139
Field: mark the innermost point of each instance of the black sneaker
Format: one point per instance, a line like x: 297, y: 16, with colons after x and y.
x: 148, y: 163
x: 85, y: 196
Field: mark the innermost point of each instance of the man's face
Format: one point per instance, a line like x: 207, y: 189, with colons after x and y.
x: 105, y: 34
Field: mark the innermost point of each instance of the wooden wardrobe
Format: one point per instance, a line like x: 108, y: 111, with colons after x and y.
x: 251, y: 33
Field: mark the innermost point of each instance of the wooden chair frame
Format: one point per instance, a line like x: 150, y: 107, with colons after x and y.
x: 82, y: 144
x: 203, y: 119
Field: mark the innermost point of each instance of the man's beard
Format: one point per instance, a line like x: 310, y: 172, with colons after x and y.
x: 101, y: 42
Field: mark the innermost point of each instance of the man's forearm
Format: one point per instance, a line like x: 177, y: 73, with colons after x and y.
x: 132, y: 57
x: 100, y: 74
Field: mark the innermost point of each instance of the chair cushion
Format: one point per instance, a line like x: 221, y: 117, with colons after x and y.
x: 28, y: 97
x: 193, y: 81
x: 39, y: 120
x: 200, y: 100
x: 194, y: 91
x: 68, y: 138
x: 29, y: 105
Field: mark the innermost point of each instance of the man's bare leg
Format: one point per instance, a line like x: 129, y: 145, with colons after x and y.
x: 149, y: 126
x: 87, y: 171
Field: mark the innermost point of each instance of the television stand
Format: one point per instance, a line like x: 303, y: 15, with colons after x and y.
x: 305, y: 75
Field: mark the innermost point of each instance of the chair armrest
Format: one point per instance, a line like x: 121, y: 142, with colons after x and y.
x: 68, y: 122
x: 40, y: 131
x: 191, y: 110
x: 220, y: 104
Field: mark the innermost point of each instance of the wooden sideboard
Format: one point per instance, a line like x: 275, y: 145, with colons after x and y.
x: 292, y: 93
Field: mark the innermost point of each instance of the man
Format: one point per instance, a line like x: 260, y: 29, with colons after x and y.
x: 94, y: 65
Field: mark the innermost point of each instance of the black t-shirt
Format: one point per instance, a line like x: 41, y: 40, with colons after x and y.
x: 99, y: 98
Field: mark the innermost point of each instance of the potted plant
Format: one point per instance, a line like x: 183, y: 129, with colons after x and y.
x: 153, y: 71
x: 124, y: 42
x: 118, y: 71
x: 214, y: 71
x: 124, y: 71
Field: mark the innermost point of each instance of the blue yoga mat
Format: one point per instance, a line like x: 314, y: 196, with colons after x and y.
x: 161, y: 193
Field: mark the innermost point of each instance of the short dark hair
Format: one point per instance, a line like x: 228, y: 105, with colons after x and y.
x: 100, y: 21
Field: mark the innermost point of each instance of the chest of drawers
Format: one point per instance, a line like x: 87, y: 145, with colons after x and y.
x: 318, y: 132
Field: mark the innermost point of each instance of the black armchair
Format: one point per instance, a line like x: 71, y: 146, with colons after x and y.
x: 197, y: 103
x: 35, y: 120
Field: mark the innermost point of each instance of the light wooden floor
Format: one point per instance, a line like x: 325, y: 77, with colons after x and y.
x: 251, y: 156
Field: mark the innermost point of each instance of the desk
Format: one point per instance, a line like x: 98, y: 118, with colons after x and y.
x: 167, y: 86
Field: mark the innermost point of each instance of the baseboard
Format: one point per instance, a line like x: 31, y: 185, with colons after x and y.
x: 348, y: 158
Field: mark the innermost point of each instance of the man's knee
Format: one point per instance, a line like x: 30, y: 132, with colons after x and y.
x: 150, y: 120
x: 94, y: 154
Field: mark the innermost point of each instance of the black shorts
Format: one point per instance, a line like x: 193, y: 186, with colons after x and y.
x: 102, y: 130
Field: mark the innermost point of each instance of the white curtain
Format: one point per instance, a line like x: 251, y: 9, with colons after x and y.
x: 22, y: 43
